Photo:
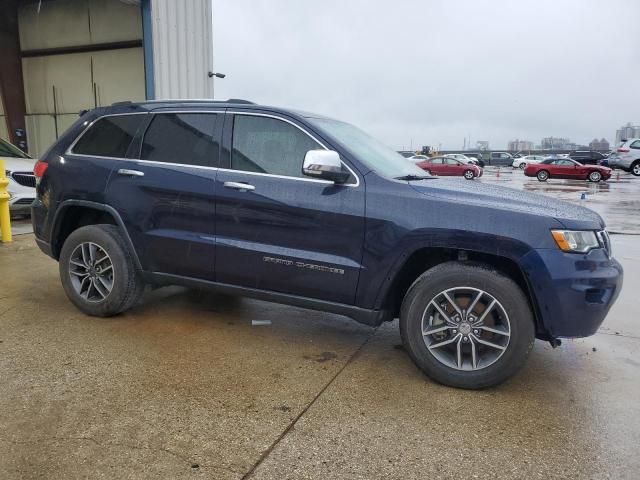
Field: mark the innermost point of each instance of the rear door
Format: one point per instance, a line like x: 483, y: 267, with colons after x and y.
x: 166, y: 192
x: 276, y: 229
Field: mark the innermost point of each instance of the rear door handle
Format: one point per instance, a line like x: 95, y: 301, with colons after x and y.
x: 239, y: 186
x: 131, y: 173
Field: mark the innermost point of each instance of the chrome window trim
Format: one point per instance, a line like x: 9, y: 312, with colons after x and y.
x: 276, y: 117
x: 70, y: 151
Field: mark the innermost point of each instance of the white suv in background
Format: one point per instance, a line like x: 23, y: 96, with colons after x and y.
x: 463, y: 158
x: 522, y: 162
x: 22, y: 183
x: 627, y: 156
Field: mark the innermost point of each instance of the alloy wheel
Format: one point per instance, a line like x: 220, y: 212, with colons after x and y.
x: 466, y: 328
x: 91, y: 272
x: 595, y: 176
x: 636, y: 169
x: 468, y: 174
x: 543, y: 176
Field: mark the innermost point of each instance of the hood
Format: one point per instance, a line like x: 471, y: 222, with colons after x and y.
x: 474, y: 193
x: 18, y: 164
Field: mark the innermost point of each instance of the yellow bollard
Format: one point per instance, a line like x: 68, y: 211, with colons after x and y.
x: 5, y: 218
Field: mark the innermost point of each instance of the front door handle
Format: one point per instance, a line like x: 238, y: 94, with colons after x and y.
x: 239, y: 186
x: 130, y: 173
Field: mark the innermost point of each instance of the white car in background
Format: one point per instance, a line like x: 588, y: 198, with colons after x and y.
x: 418, y: 158
x: 522, y: 162
x: 463, y: 158
x: 22, y: 183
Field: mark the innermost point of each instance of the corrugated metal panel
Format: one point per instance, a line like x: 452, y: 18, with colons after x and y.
x: 182, y: 48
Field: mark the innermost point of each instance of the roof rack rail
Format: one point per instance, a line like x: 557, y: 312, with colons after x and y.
x: 185, y: 100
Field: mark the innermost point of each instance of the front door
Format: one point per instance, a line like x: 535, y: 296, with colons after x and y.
x: 166, y: 194
x: 277, y: 229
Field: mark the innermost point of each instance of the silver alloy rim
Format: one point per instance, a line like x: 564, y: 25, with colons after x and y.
x: 468, y: 174
x: 594, y: 176
x: 542, y: 175
x: 636, y: 169
x: 91, y: 272
x: 466, y: 328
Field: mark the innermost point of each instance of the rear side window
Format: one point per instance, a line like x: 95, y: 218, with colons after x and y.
x: 269, y: 145
x: 109, y: 136
x: 635, y: 145
x: 185, y: 138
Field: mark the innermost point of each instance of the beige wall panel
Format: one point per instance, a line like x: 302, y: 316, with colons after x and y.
x: 60, y: 23
x: 114, y: 21
x: 126, y: 82
x: 65, y: 121
x: 70, y: 74
x: 4, y: 132
x: 41, y: 133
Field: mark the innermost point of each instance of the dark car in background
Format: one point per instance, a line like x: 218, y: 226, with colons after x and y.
x: 500, y: 159
x: 587, y: 157
x: 305, y: 210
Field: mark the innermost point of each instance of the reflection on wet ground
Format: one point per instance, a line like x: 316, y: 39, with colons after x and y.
x: 616, y: 200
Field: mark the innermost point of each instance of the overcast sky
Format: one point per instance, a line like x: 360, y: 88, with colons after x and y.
x: 435, y: 71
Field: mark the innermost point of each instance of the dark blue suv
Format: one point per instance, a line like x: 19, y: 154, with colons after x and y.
x: 300, y: 209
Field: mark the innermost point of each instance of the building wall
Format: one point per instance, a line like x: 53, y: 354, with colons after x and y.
x: 58, y: 86
x: 182, y: 48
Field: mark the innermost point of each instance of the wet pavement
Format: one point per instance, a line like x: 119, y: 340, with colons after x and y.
x: 184, y: 386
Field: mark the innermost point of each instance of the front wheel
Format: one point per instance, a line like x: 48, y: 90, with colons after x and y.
x: 466, y: 326
x: 543, y: 175
x: 595, y: 177
x: 468, y: 174
x: 97, y: 271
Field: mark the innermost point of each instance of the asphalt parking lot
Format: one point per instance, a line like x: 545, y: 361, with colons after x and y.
x: 184, y: 386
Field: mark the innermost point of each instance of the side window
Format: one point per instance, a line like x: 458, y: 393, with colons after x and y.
x: 185, y: 138
x: 452, y: 161
x: 437, y: 161
x: 635, y: 145
x: 269, y: 145
x: 109, y: 136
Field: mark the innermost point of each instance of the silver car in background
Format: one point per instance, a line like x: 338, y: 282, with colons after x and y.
x: 627, y: 156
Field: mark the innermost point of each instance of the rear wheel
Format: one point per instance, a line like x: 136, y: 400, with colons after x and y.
x: 543, y: 175
x: 97, y: 271
x: 522, y: 166
x: 466, y: 326
x: 468, y: 174
x: 595, y: 176
x: 635, y: 168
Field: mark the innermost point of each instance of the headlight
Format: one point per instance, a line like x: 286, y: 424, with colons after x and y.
x: 575, y: 240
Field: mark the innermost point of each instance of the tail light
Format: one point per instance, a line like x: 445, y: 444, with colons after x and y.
x: 623, y: 150
x: 38, y: 170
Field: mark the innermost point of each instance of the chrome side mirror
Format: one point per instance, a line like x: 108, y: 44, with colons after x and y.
x: 324, y: 164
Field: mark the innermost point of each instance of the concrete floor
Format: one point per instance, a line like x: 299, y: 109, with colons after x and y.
x: 183, y: 386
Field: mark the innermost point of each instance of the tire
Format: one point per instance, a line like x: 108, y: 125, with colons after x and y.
x: 468, y: 174
x: 635, y: 168
x: 543, y: 176
x: 594, y: 176
x: 522, y: 166
x: 87, y: 291
x: 511, y: 304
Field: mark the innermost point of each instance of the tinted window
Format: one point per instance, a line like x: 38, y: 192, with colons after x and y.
x: 635, y: 145
x: 452, y: 161
x: 185, y: 138
x: 437, y: 161
x: 109, y: 136
x: 268, y: 145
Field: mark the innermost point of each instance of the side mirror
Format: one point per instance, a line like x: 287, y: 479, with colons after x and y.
x: 324, y: 164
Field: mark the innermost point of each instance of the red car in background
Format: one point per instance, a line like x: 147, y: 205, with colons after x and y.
x: 566, y: 168
x: 445, y: 166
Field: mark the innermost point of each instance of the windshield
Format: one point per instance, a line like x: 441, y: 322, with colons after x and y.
x: 8, y: 150
x: 377, y: 156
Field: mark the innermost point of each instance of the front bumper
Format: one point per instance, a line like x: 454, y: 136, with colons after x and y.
x: 573, y: 292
